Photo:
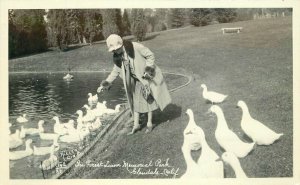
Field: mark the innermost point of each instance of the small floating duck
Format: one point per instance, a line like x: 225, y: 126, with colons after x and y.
x: 15, y: 155
x: 93, y: 99
x: 227, y: 139
x: 49, y: 163
x: 68, y: 77
x: 234, y: 162
x: 59, y: 128
x: 212, y: 96
x: 35, y: 131
x: 256, y: 130
x: 15, y: 140
x: 22, y: 119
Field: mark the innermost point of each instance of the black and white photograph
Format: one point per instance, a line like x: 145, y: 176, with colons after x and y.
x: 182, y: 93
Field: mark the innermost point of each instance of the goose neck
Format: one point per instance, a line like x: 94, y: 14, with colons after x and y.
x: 221, y: 119
x: 191, y: 116
x: 245, y: 111
x: 239, y: 172
x: 187, y: 156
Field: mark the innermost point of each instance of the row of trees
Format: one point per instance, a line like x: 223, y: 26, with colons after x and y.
x: 33, y: 31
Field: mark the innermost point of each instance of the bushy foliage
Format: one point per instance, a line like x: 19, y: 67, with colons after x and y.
x: 27, y: 32
x: 177, y: 17
x: 225, y: 15
x: 200, y: 16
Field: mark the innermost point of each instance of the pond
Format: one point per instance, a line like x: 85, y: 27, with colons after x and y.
x: 44, y: 95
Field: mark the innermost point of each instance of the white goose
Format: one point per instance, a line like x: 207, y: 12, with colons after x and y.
x: 209, y: 167
x: 35, y: 131
x: 15, y: 155
x: 97, y: 112
x: 49, y: 163
x: 76, y: 136
x: 192, y: 168
x: 69, y: 124
x: 80, y: 124
x: 227, y: 139
x: 59, y: 128
x: 193, y: 130
x: 209, y: 161
x: 15, y: 140
x: 212, y: 96
x: 22, y: 119
x: 234, y: 162
x: 113, y: 111
x: 48, y: 136
x: 46, y: 149
x: 101, y: 105
x: 256, y: 130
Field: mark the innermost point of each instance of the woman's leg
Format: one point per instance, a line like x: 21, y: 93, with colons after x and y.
x: 136, y: 119
x: 149, y: 122
x: 136, y: 125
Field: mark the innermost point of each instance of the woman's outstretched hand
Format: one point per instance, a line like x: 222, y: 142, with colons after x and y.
x: 104, y: 85
x: 100, y: 89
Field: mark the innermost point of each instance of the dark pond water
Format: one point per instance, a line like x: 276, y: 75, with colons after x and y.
x: 44, y: 95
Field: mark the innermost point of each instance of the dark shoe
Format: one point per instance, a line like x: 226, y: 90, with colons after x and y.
x: 134, y: 129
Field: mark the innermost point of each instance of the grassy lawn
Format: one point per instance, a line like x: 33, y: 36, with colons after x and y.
x: 254, y: 66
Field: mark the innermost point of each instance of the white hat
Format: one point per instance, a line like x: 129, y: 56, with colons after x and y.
x: 114, y: 42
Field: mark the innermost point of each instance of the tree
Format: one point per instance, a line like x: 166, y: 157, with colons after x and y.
x: 161, y: 16
x: 27, y: 32
x: 92, y: 25
x: 126, y: 23
x: 119, y: 22
x: 109, y: 22
x: 138, y: 24
x: 59, y: 28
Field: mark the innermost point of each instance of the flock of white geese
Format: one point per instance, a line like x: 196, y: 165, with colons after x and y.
x: 69, y: 132
x: 209, y: 164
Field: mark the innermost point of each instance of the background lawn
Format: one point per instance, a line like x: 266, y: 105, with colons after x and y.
x: 254, y: 66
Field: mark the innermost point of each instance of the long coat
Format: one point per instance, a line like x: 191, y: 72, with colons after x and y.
x: 141, y: 58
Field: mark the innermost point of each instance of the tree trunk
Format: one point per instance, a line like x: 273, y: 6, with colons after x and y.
x: 83, y: 39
